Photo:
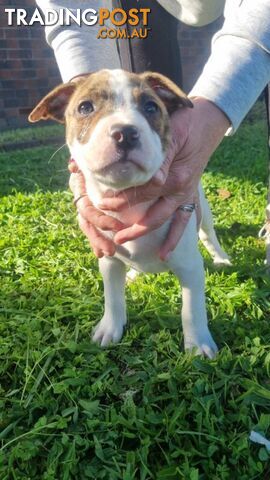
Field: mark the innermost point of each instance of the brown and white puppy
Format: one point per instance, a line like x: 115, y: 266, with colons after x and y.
x: 117, y: 130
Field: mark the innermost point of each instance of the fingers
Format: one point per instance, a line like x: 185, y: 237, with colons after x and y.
x: 96, y: 217
x: 100, y: 244
x: 120, y: 202
x: 72, y: 166
x: 177, y: 228
x: 86, y: 209
x: 167, y: 182
x: 178, y: 225
x: 160, y: 177
x: 77, y: 184
x: 130, y: 197
x: 90, y: 218
x: 154, y: 218
x: 198, y: 215
x: 144, y: 193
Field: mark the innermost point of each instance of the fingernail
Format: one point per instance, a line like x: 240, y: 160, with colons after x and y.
x: 166, y: 257
x: 108, y: 253
x: 159, y: 177
x: 119, y: 241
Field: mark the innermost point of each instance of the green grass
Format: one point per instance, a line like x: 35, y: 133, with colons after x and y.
x: 143, y: 409
x: 31, y: 133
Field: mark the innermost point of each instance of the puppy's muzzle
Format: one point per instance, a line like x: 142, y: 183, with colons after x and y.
x: 126, y: 137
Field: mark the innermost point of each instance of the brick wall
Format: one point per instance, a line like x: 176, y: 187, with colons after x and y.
x: 28, y: 69
x: 195, y: 49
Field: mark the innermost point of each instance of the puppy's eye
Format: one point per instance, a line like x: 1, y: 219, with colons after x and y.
x: 85, y: 108
x: 150, y: 107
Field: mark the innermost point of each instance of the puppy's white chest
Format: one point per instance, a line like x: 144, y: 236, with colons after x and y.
x: 142, y: 254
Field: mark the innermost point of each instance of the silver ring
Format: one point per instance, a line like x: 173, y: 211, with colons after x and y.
x: 188, y: 207
x: 75, y: 201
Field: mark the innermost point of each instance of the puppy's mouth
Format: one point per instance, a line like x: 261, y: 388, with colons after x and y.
x: 121, y: 161
x: 126, y: 170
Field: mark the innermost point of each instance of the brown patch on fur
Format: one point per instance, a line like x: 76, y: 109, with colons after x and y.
x: 95, y: 89
x: 158, y: 121
x: 172, y: 96
x: 53, y: 106
x: 169, y: 98
x: 64, y: 101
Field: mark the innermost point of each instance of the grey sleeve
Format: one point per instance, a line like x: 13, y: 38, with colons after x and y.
x: 238, y: 68
x: 77, y: 49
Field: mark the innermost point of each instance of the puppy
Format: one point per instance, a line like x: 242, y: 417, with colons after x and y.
x: 117, y: 130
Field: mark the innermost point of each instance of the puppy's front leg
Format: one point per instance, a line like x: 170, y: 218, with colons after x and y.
x: 111, y: 326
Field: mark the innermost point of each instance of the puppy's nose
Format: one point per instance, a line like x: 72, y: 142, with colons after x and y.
x: 125, y: 136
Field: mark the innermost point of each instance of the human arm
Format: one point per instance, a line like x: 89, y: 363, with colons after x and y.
x: 188, y: 166
x: 238, y: 68
x: 234, y: 76
x: 193, y: 142
x: 77, y: 49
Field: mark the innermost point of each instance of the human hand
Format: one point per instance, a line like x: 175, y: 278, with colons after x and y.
x: 196, y: 133
x: 90, y: 219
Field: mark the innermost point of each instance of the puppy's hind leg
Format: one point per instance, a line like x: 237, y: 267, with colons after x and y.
x: 111, y: 326
x: 208, y: 235
x: 187, y: 264
x: 194, y: 318
x: 132, y: 274
x: 265, y: 234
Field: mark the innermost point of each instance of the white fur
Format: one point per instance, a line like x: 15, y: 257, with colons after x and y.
x: 120, y: 85
x: 265, y: 234
x: 98, y: 152
x: 142, y: 254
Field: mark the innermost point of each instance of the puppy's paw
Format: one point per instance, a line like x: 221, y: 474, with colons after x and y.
x: 201, y: 344
x: 107, y: 332
x: 222, y: 261
x: 131, y: 275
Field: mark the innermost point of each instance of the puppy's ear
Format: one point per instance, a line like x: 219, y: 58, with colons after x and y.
x: 171, y: 95
x: 53, y: 106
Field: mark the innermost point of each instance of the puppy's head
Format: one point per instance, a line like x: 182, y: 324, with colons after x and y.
x: 117, y: 123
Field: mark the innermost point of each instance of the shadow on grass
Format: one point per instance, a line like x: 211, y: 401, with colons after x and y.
x: 244, y: 247
x: 238, y: 229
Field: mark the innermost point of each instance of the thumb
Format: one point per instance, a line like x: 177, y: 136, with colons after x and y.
x: 72, y: 166
x: 160, y: 177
